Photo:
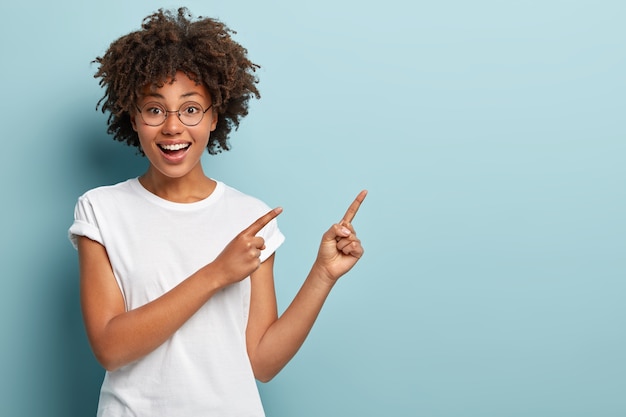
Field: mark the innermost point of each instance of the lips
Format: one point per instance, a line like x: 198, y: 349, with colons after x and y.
x: 174, y: 152
x: 173, y: 147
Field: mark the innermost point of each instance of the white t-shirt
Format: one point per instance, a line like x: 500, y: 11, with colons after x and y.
x: 154, y: 244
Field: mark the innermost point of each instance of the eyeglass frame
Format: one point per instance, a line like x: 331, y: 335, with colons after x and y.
x: 167, y: 112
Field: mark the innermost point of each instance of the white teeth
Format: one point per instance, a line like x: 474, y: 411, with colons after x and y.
x: 175, y: 146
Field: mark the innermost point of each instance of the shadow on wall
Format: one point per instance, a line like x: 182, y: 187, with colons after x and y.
x: 81, y: 373
x: 97, y: 160
x: 101, y: 160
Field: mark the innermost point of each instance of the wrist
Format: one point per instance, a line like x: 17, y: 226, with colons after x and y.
x: 212, y: 278
x: 322, y: 277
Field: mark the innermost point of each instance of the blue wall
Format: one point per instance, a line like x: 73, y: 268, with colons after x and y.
x: 492, y: 138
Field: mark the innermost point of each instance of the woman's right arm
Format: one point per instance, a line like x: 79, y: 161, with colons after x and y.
x: 117, y: 336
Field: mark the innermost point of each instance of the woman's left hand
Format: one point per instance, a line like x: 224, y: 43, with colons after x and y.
x: 340, y: 248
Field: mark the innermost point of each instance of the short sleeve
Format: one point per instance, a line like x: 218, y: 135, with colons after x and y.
x: 85, y: 223
x: 273, y: 239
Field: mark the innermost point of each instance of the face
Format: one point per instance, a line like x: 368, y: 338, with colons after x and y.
x: 173, y: 148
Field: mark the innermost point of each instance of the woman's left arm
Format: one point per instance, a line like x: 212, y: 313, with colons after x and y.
x: 271, y: 340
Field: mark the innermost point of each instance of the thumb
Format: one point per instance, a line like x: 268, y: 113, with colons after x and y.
x: 336, y: 232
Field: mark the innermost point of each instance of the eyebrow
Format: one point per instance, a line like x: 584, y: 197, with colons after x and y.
x: 186, y: 95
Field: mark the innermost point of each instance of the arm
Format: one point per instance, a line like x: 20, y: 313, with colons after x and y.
x: 119, y: 337
x: 273, y: 341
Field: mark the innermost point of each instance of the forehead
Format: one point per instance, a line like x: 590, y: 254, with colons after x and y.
x: 179, y: 86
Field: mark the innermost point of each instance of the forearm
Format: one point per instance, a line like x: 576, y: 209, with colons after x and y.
x: 285, y: 336
x: 130, y: 335
x: 272, y: 342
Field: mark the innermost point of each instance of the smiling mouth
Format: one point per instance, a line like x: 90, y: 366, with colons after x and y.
x: 173, y: 148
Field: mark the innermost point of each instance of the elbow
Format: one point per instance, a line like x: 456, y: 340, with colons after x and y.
x: 107, y: 363
x: 110, y: 367
x: 107, y: 360
x: 264, y: 377
x: 262, y: 372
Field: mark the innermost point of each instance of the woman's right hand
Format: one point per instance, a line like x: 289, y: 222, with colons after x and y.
x: 241, y: 257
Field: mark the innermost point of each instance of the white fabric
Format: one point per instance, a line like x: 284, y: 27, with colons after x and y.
x: 154, y: 244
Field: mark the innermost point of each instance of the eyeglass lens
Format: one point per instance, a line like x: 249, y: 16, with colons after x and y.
x: 190, y: 113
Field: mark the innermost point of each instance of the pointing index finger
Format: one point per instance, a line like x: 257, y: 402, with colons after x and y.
x: 260, y: 223
x: 354, y: 207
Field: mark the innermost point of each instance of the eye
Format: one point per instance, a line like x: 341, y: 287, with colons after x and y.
x: 153, y: 109
x: 190, y: 109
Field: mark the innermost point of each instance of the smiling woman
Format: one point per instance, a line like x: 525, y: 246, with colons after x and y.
x: 177, y: 268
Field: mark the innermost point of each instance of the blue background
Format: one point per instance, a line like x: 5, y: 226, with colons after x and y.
x: 490, y: 134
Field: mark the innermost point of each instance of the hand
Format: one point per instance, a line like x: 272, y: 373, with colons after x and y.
x: 340, y: 249
x: 241, y: 257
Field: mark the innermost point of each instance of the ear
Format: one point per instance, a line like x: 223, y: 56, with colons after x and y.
x: 214, y: 119
x: 133, y: 121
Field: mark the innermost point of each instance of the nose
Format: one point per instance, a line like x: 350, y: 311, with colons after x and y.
x: 172, y: 124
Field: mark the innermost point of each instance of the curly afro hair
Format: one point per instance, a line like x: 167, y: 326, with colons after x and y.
x: 169, y: 42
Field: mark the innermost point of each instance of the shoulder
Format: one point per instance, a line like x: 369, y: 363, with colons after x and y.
x: 235, y: 198
x: 108, y: 199
x: 121, y: 187
x: 111, y: 192
x: 243, y: 209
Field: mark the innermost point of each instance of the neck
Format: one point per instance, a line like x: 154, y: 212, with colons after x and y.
x: 188, y: 189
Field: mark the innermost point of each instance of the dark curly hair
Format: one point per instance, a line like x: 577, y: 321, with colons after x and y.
x: 169, y: 42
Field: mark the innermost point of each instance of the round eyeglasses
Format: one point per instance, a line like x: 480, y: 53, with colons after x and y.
x: 189, y: 113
